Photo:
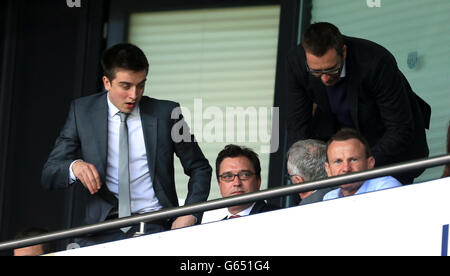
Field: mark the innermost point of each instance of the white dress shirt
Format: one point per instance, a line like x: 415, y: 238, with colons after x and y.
x: 143, y: 198
x: 242, y: 213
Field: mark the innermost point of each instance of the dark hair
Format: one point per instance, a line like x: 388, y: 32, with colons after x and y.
x: 236, y: 151
x: 447, y: 167
x: 124, y: 55
x: 320, y: 37
x: 47, y: 247
x: 346, y: 134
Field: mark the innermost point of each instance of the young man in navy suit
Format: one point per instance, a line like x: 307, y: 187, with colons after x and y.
x: 87, y: 149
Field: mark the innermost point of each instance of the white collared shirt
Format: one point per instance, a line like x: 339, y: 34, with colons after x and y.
x: 242, y: 213
x: 143, y: 198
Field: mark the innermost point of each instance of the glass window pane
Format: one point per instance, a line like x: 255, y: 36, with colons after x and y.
x: 219, y: 64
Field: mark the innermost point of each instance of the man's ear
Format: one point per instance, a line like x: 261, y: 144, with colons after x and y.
x: 370, y: 162
x: 259, y: 183
x: 299, y: 179
x: 220, y: 187
x: 106, y: 83
x: 327, y: 169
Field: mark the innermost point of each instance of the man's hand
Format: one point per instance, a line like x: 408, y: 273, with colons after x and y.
x: 184, y: 221
x: 88, y: 175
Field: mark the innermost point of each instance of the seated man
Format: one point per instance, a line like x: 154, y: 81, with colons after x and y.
x: 306, y: 162
x: 238, y: 172
x: 347, y: 152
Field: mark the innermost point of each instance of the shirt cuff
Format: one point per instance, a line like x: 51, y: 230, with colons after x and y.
x: 72, y: 177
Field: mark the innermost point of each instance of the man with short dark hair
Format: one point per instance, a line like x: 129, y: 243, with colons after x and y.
x: 118, y: 144
x: 336, y: 81
x: 238, y: 171
x: 347, y: 152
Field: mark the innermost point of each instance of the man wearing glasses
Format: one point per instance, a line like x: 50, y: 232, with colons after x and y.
x: 335, y: 82
x: 238, y: 171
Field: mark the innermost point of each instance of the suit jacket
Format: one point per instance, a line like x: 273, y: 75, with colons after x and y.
x: 261, y: 207
x: 383, y: 107
x: 317, y: 196
x: 84, y: 136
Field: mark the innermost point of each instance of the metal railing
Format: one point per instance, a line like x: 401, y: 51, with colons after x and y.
x: 229, y: 201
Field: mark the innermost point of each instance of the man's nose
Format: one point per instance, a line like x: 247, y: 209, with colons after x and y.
x: 237, y: 181
x: 132, y: 93
x: 346, y: 167
x: 325, y: 78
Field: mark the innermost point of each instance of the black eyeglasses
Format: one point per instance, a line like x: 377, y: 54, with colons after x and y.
x: 229, y: 177
x: 288, y: 176
x: 330, y: 72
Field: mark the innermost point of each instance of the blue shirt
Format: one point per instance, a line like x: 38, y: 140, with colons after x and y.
x: 370, y: 185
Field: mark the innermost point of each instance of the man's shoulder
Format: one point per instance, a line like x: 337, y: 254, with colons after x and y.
x: 90, y: 99
x: 382, y: 183
x: 364, y: 48
x: 158, y: 102
x: 90, y: 102
x: 331, y: 194
x: 158, y: 107
x: 361, y: 42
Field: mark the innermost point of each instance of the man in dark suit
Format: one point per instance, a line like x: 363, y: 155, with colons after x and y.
x: 238, y: 171
x: 336, y: 81
x: 87, y: 150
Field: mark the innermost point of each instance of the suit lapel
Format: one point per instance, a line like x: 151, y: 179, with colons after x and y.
x: 149, y: 127
x: 99, y: 123
x: 258, y: 207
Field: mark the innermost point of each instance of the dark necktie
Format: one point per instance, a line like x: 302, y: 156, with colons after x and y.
x: 234, y: 216
x: 124, y: 173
